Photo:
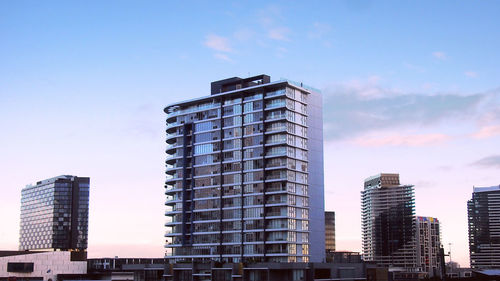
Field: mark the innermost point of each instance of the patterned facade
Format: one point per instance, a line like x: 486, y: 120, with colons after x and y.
x: 428, y: 245
x: 388, y: 222
x: 54, y: 214
x: 484, y: 227
x: 239, y: 173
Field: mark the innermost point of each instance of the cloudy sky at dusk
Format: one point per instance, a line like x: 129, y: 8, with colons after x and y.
x: 408, y: 87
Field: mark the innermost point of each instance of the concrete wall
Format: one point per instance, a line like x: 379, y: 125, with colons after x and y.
x: 57, y: 262
x: 316, y: 178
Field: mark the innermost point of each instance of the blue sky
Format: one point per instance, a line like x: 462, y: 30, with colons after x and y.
x: 409, y: 87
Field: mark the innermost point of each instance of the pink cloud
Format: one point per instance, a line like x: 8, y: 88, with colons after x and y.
x: 402, y: 140
x: 486, y: 132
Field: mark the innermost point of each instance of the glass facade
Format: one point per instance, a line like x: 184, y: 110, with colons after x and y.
x: 484, y: 227
x: 237, y: 176
x: 330, y: 231
x: 388, y: 222
x: 54, y: 214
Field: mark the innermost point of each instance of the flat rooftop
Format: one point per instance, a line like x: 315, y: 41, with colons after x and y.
x: 486, y: 189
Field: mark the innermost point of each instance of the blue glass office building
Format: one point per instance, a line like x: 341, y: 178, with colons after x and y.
x: 54, y: 214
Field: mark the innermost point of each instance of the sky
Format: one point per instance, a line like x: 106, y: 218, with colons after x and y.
x: 408, y: 87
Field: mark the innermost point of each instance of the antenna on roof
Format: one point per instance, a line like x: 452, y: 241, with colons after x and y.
x: 449, y: 251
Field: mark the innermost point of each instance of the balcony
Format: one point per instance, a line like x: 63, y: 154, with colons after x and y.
x: 275, y: 117
x: 276, y: 93
x: 275, y: 103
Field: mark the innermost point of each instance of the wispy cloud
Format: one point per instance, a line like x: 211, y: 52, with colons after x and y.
x: 402, y: 140
x: 244, y: 34
x: 366, y: 87
x: 492, y: 161
x: 222, y: 57
x: 319, y: 30
x: 414, y: 67
x: 269, y: 15
x: 360, y: 107
x: 271, y: 20
x: 217, y: 43
x: 281, y: 52
x: 440, y: 55
x: 279, y: 33
x: 471, y: 74
x: 487, y: 132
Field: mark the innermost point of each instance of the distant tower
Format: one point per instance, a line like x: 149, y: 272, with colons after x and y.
x: 330, y: 232
x: 428, y: 245
x: 54, y: 214
x: 484, y: 227
x: 388, y: 222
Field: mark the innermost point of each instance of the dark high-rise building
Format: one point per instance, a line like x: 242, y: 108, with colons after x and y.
x: 330, y: 232
x: 245, y: 174
x: 484, y: 227
x: 388, y: 222
x: 54, y: 214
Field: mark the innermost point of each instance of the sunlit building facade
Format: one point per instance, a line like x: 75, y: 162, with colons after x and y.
x: 245, y: 174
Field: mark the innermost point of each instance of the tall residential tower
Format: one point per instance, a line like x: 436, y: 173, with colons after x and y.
x: 388, y: 222
x: 245, y: 174
x: 54, y: 214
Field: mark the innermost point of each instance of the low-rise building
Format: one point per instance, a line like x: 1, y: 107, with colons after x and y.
x: 46, y: 266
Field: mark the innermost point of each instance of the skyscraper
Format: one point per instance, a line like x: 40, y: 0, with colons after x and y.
x: 428, y: 242
x: 388, y: 222
x: 54, y: 214
x: 484, y: 227
x: 245, y: 173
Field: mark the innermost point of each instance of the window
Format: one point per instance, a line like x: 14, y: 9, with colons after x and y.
x: 253, y: 117
x: 203, y: 148
x: 21, y: 267
x: 277, y: 138
x: 254, y: 212
x: 253, y: 152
